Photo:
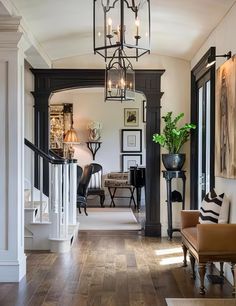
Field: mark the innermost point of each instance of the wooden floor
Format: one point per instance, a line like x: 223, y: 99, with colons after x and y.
x: 107, y: 268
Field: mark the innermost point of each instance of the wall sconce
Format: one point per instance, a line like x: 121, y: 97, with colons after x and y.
x: 212, y: 59
x: 70, y: 139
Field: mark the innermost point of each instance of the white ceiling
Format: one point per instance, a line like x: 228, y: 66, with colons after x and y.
x: 179, y: 27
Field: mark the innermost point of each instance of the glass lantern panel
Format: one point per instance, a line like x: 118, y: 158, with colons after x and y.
x: 144, y: 30
x: 107, y: 22
x: 130, y: 84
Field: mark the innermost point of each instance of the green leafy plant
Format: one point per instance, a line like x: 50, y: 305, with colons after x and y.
x: 173, y: 137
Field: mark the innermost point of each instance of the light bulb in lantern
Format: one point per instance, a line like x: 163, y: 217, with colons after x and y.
x: 109, y: 26
x: 137, y: 23
x: 109, y: 85
x: 122, y: 83
x: 118, y: 34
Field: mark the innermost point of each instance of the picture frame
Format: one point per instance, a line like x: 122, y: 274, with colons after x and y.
x: 131, y: 140
x: 144, y: 111
x: 131, y: 117
x: 130, y: 160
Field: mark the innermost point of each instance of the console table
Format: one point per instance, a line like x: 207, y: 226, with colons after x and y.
x: 169, y: 175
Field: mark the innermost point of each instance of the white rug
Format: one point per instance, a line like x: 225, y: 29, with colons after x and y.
x: 201, y: 302
x: 116, y: 219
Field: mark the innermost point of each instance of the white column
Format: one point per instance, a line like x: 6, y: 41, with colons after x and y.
x: 12, y: 257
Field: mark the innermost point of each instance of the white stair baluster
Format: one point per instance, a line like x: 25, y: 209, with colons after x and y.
x: 32, y: 178
x: 50, y: 191
x: 65, y: 198
x: 41, y: 190
x: 72, y: 193
x: 54, y: 202
x: 59, y: 200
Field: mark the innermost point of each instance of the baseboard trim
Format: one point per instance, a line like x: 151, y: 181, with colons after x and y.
x: 12, y: 271
x: 152, y: 230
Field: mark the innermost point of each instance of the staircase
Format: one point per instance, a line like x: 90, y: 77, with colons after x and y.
x: 50, y: 221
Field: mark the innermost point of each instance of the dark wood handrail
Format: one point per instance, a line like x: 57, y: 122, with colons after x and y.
x: 55, y: 155
x: 44, y: 155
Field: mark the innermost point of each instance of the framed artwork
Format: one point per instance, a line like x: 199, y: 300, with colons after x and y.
x: 131, y: 140
x: 60, y: 116
x: 128, y: 160
x: 225, y: 151
x: 144, y: 111
x: 131, y: 117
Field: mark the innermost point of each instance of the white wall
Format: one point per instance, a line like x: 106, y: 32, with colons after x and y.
x: 176, y: 98
x: 89, y: 105
x: 223, y: 39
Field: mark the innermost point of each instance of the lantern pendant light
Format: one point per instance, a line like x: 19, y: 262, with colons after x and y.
x: 123, y: 24
x: 120, y: 78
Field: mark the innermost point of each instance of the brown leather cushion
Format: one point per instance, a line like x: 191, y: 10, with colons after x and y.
x: 190, y: 233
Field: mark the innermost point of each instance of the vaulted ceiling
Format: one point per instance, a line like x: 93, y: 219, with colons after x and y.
x: 179, y: 27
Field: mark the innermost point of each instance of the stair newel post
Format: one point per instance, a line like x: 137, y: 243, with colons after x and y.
x: 65, y: 199
x: 60, y: 199
x: 41, y: 190
x: 72, y: 192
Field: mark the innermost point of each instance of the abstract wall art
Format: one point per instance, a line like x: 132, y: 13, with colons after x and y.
x: 225, y: 127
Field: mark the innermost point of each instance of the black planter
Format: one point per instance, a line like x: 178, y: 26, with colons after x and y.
x: 173, y: 162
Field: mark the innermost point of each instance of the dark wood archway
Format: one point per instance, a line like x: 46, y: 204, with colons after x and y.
x: 148, y: 82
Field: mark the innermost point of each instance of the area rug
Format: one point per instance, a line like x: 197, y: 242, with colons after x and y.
x: 117, y: 219
x: 201, y: 302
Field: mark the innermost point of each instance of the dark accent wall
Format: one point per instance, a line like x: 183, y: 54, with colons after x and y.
x: 148, y: 82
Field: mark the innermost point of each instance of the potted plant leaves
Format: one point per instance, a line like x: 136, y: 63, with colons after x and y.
x: 173, y: 138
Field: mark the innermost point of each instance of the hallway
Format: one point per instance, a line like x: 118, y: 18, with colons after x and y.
x: 107, y: 268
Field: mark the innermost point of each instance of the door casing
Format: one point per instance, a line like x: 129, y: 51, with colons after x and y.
x: 197, y: 73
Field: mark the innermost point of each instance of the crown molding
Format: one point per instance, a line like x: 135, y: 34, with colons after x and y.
x: 35, y: 54
x: 9, y: 23
x: 9, y: 40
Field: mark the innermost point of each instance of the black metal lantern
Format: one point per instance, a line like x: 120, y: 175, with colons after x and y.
x: 123, y: 24
x: 120, y: 78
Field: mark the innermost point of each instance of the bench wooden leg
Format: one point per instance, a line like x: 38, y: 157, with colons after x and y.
x: 233, y: 269
x: 202, y: 272
x: 222, y: 269
x: 192, y: 261
x: 185, y: 255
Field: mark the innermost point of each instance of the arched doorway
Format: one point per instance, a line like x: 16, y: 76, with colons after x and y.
x: 148, y: 82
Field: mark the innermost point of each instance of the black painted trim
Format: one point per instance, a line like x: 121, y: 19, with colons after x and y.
x: 148, y: 82
x: 198, y: 72
x: 46, y: 157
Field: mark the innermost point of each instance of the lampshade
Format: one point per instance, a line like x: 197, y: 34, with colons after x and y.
x: 71, y: 136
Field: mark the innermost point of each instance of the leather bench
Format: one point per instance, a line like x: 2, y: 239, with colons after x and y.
x: 207, y: 243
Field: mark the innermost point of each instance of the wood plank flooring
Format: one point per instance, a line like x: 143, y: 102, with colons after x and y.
x: 108, y: 269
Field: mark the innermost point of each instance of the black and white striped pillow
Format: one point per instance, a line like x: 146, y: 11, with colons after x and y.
x: 211, y: 207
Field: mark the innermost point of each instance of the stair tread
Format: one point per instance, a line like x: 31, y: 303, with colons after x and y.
x: 40, y: 223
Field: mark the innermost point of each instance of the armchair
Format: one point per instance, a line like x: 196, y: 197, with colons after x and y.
x: 95, y: 185
x: 207, y: 243
x: 82, y: 190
